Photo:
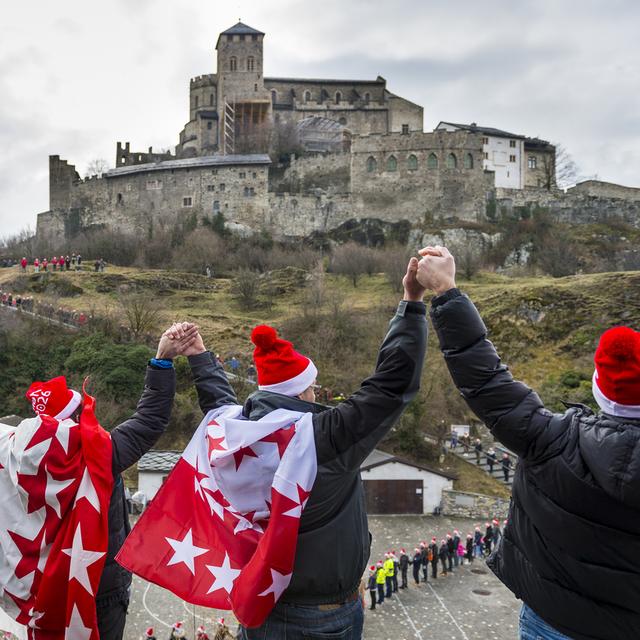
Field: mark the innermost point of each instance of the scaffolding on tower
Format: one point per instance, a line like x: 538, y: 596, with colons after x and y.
x: 229, y: 128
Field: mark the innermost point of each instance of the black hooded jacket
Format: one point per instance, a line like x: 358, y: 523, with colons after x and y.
x: 130, y: 441
x: 333, y: 540
x: 571, y: 547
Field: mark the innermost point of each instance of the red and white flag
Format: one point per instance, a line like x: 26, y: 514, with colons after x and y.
x: 222, y: 530
x: 55, y: 487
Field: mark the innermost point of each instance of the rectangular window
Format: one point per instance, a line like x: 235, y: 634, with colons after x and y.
x: 512, y: 158
x: 485, y: 140
x: 252, y: 191
x: 255, y: 175
x: 533, y: 162
x: 242, y: 175
x: 214, y: 172
x: 154, y: 184
x: 405, y: 129
x: 216, y: 205
x: 209, y: 124
x: 211, y: 187
x: 512, y: 144
x: 486, y: 155
x: 223, y: 186
x: 187, y: 202
x: 196, y: 102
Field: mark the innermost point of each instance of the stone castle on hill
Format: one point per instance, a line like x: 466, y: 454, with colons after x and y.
x: 295, y: 156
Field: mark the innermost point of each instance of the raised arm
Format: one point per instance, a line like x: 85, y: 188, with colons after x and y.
x: 511, y: 410
x: 135, y: 436
x: 347, y: 433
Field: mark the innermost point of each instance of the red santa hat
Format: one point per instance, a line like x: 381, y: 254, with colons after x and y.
x: 616, y: 381
x: 280, y: 367
x: 372, y: 567
x: 149, y: 632
x: 380, y: 563
x: 177, y: 625
x: 54, y: 398
x: 200, y: 630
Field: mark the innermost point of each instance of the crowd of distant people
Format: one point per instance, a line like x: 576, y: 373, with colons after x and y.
x: 71, y: 262
x: 178, y: 632
x: 438, y: 558
x: 28, y: 304
x: 491, y: 457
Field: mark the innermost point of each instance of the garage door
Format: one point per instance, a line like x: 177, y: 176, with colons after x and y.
x: 393, y: 496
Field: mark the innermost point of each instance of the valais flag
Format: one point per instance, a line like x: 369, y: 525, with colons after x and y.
x: 222, y: 530
x: 55, y: 487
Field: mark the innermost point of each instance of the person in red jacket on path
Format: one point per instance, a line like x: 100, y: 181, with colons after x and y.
x: 23, y: 264
x: 54, y: 262
x: 45, y: 262
x: 36, y: 265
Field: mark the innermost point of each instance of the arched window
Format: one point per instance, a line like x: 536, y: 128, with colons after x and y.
x: 432, y: 161
x: 338, y: 97
x: 468, y: 161
x: 250, y: 63
x: 233, y: 63
x: 452, y: 162
x: 307, y: 96
x: 367, y: 98
x: 392, y: 163
x: 372, y: 164
x: 412, y: 163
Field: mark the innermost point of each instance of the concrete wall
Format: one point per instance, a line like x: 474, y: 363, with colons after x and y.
x: 149, y: 482
x: 461, y: 504
x: 509, y: 174
x: 433, y: 485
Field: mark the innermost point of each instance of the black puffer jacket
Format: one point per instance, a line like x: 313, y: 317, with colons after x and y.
x: 571, y: 548
x: 333, y: 540
x: 130, y: 441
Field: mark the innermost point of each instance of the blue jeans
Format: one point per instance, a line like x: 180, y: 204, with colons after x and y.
x: 533, y: 627
x: 295, y: 622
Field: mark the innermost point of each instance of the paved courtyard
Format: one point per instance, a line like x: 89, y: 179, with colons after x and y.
x: 444, y: 609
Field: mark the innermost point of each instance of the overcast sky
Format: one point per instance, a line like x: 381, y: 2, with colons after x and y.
x: 78, y: 75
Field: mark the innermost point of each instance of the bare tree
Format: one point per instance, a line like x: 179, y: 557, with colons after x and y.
x: 558, y: 256
x: 96, y: 167
x: 394, y: 261
x: 140, y: 312
x: 352, y: 260
x: 246, y: 287
x: 559, y: 169
x: 468, y: 256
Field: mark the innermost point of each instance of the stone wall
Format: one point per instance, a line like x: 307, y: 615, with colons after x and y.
x: 461, y: 504
x: 328, y: 172
x: 143, y: 201
x: 605, y: 190
x: 575, y: 206
x: 392, y: 178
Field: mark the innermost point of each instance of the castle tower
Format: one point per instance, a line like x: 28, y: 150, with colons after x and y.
x: 244, y: 105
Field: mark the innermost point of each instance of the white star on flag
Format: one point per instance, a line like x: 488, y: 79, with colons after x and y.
x: 224, y: 575
x: 76, y: 629
x: 81, y: 559
x: 62, y: 433
x: 185, y: 551
x: 88, y: 491
x: 54, y: 487
x: 279, y: 582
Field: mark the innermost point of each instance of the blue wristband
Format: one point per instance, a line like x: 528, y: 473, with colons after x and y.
x: 161, y: 363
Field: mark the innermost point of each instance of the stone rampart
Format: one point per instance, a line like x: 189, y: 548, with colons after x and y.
x: 605, y: 190
x: 462, y: 504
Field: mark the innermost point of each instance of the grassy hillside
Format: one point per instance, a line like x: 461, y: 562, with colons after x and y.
x: 545, y: 329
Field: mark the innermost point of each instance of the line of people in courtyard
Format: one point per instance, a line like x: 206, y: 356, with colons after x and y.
x: 448, y: 554
x: 179, y: 632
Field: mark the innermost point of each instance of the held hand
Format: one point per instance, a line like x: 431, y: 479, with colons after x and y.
x: 437, y: 269
x: 194, y: 348
x: 176, y: 339
x: 413, y: 289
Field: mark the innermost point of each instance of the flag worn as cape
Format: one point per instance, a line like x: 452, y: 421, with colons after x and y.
x: 55, y: 487
x: 222, y: 530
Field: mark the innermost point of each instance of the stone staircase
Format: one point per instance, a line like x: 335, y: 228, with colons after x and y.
x: 470, y: 457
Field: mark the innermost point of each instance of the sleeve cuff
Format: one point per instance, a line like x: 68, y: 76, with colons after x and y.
x: 204, y: 358
x: 407, y: 307
x: 159, y: 363
x: 445, y: 297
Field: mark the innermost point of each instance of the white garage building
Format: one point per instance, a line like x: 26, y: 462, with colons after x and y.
x: 392, y: 485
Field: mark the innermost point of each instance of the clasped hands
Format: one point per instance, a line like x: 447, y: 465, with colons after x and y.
x: 180, y: 339
x: 435, y: 271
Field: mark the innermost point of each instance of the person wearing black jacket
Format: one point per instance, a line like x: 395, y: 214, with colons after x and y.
x: 333, y: 540
x: 433, y: 548
x: 443, y: 554
x: 571, y: 547
x: 417, y: 563
x: 130, y: 441
x: 450, y: 552
x: 372, y: 586
x: 404, y: 567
